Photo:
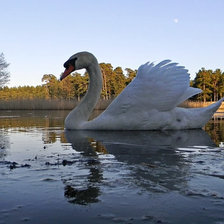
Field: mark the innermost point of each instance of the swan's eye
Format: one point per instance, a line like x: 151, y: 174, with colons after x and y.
x: 70, y: 62
x: 66, y: 64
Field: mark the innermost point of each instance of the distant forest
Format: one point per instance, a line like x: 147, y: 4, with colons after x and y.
x: 114, y: 81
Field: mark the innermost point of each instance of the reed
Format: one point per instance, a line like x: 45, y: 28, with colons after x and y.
x: 197, y: 104
x: 57, y: 104
x: 44, y: 104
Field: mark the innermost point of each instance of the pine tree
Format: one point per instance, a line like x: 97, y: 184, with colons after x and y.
x: 4, y: 74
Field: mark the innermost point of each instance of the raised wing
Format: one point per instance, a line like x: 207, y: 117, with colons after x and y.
x: 161, y: 87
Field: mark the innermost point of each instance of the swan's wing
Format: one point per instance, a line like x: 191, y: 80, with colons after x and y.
x: 161, y: 87
x: 189, y: 93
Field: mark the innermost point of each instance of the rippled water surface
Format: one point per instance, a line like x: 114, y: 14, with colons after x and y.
x: 49, y: 175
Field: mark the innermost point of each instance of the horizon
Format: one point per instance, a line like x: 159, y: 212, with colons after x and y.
x: 38, y: 37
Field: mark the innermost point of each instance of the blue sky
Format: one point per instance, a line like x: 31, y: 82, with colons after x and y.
x: 37, y: 37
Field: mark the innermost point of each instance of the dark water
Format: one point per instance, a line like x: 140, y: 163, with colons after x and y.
x: 49, y: 175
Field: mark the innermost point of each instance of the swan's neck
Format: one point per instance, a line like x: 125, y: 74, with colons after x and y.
x: 81, y: 113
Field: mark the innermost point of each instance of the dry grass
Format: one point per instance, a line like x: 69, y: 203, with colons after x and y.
x: 43, y: 104
x: 196, y: 104
x: 55, y: 104
x: 35, y: 104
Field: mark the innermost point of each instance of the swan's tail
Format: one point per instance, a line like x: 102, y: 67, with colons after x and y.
x: 215, y: 106
x: 208, y: 112
x: 201, y: 116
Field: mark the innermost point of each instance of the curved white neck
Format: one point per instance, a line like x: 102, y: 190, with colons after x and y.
x: 82, y: 112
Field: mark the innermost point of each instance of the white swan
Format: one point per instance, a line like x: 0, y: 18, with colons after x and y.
x: 149, y: 102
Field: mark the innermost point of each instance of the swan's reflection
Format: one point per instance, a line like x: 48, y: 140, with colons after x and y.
x: 150, y: 156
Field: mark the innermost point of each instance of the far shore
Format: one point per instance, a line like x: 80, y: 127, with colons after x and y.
x: 57, y: 104
x: 47, y: 104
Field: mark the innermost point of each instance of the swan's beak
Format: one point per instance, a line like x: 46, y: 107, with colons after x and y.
x: 67, y: 71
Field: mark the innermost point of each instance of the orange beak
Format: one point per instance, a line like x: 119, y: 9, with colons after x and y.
x: 67, y: 71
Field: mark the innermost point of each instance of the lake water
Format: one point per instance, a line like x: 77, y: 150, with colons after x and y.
x: 49, y: 175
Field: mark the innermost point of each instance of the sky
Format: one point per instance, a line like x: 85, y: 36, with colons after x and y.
x: 38, y: 36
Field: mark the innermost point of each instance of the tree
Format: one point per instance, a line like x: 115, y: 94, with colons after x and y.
x: 52, y: 84
x: 114, y: 80
x: 221, y: 85
x: 107, y: 72
x: 130, y: 75
x: 215, y: 80
x: 211, y: 83
x: 80, y: 84
x: 4, y: 74
x: 66, y: 86
x: 119, y: 80
x: 203, y: 82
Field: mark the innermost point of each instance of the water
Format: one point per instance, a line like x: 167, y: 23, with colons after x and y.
x: 49, y: 175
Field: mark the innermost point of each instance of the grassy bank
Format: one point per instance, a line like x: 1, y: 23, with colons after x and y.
x: 55, y: 104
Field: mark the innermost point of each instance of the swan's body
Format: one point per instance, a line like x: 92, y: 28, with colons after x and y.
x: 149, y: 102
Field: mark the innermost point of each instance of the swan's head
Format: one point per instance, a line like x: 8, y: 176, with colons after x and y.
x: 78, y: 61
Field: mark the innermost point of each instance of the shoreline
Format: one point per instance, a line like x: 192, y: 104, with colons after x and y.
x: 47, y: 104
x: 61, y: 104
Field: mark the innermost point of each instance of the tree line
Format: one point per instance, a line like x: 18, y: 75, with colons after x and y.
x: 114, y: 81
x: 211, y: 83
x: 73, y: 86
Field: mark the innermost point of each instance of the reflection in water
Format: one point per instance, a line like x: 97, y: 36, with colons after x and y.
x: 90, y: 149
x: 151, y: 156
x: 82, y: 197
x: 26, y: 119
x: 215, y: 128
x: 135, y: 177
x: 4, y: 143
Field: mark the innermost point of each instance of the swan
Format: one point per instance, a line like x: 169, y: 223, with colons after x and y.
x: 149, y: 102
